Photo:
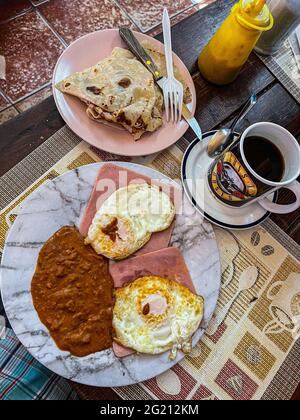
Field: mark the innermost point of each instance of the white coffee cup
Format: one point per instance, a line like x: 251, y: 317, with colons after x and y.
x: 290, y: 150
x: 235, y: 183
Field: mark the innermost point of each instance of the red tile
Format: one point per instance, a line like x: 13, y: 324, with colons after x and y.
x: 74, y: 18
x: 34, y: 99
x: 11, y: 8
x: 183, y: 15
x: 31, y: 51
x: 148, y: 14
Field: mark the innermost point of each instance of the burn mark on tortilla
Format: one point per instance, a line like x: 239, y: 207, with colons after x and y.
x: 140, y: 124
x: 111, y: 229
x: 125, y: 82
x: 122, y: 119
x: 155, y: 116
x: 94, y: 89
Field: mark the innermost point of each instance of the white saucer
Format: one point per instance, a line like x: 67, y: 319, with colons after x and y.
x: 195, y: 165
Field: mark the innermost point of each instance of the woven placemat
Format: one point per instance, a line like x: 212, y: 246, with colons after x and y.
x: 251, y: 349
x: 284, y: 66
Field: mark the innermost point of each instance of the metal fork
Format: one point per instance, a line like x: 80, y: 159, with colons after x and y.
x: 172, y: 88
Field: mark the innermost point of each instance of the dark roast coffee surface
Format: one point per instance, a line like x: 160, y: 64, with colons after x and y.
x: 264, y: 158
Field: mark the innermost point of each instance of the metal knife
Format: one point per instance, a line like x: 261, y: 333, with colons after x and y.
x: 136, y: 48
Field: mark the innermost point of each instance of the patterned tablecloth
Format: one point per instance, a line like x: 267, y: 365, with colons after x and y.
x: 251, y: 349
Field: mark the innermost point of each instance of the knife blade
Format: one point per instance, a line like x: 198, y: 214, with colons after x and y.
x: 137, y: 49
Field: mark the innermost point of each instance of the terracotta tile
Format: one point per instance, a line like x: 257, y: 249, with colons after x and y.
x: 34, y: 99
x: 31, y: 51
x: 3, y: 102
x: 75, y: 18
x: 11, y: 8
x: 183, y: 15
x: 7, y: 114
x: 148, y: 14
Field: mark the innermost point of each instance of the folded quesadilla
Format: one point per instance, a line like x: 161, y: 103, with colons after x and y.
x: 120, y: 90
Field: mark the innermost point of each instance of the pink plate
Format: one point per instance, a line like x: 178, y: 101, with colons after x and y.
x: 86, y: 52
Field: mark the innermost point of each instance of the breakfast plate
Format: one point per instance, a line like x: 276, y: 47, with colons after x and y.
x: 195, y: 165
x: 86, y: 52
x: 62, y: 201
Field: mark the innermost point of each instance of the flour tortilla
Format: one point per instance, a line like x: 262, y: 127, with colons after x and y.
x: 119, y: 89
x: 121, y: 92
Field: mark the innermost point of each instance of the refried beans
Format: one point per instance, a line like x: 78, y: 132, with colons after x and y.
x: 72, y: 293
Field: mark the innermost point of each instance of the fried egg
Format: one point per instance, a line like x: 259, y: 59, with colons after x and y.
x: 115, y: 236
x: 153, y: 315
x: 126, y: 220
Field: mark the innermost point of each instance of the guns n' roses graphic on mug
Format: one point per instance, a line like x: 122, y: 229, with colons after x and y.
x: 230, y: 181
x: 264, y: 159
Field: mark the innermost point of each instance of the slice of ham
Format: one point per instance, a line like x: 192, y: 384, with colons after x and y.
x: 112, y: 177
x: 167, y: 263
x: 121, y: 351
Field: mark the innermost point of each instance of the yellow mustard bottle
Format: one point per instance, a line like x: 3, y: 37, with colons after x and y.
x: 222, y: 59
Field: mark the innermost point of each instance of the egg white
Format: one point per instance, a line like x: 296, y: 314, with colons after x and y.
x: 146, y: 209
x: 154, y: 333
x: 150, y: 208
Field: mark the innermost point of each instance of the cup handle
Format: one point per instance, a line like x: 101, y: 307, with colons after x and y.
x: 282, y: 208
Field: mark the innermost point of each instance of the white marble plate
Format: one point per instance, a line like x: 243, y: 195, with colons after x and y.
x: 60, y: 202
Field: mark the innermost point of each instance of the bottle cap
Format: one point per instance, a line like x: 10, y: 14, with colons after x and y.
x: 255, y: 14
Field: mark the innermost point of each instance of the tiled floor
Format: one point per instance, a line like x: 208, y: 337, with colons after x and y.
x: 82, y: 17
x: 147, y: 14
x: 31, y: 51
x: 33, y: 33
x: 9, y: 9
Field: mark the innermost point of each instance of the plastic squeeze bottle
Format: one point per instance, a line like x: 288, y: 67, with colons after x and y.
x: 286, y: 14
x: 222, y: 59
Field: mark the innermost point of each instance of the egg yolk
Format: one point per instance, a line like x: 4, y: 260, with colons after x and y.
x: 154, y: 305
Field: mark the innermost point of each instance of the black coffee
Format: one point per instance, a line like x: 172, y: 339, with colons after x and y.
x: 264, y: 158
